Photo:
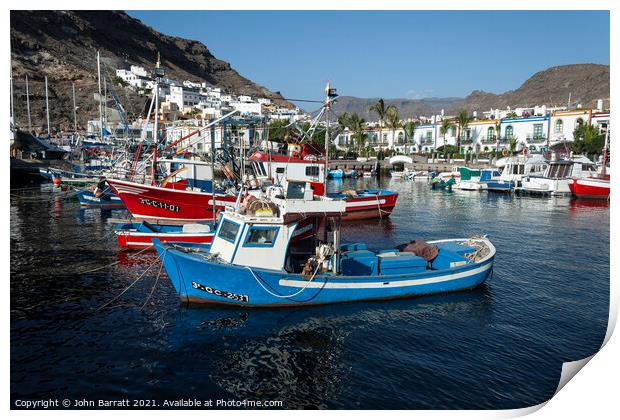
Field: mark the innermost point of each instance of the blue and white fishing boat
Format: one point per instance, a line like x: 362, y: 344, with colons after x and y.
x: 250, y: 262
x: 106, y: 200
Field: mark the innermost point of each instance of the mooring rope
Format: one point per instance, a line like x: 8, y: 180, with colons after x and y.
x: 285, y: 296
x: 127, y: 288
x: 112, y: 264
x: 156, y: 279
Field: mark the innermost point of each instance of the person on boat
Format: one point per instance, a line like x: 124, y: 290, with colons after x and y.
x: 100, y: 188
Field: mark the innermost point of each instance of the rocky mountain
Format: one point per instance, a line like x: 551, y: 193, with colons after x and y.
x: 63, y: 45
x: 586, y: 83
x: 407, y: 108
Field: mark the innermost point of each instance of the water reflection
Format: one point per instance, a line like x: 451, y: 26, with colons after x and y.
x: 302, y: 356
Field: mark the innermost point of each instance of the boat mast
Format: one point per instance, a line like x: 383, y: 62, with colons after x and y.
x: 327, y: 104
x: 47, y: 110
x: 100, y: 103
x: 74, y: 111
x: 12, y: 100
x: 158, y: 72
x: 603, y: 171
x: 28, y: 106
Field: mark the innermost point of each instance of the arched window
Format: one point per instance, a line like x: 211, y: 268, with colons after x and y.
x: 510, y: 132
x: 490, y: 133
x: 559, y: 127
x: 401, y: 137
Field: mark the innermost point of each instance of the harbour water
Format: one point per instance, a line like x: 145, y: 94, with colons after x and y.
x: 498, y: 346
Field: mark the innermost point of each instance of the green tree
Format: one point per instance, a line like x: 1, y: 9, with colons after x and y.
x: 512, y: 144
x: 277, y: 130
x: 381, y: 110
x: 446, y: 125
x: 392, y: 121
x: 409, y: 129
x: 587, y: 139
x: 462, y: 121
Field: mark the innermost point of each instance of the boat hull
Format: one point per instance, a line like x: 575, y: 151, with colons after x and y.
x: 371, y: 204
x: 137, y: 236
x: 146, y: 202
x: 108, y: 200
x: 199, y: 280
x: 590, y: 188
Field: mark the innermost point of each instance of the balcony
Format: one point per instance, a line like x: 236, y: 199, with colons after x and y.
x: 535, y: 139
x: 488, y: 140
x: 467, y: 141
x: 427, y: 141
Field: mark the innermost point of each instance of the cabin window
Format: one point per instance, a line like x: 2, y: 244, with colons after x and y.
x: 228, y: 231
x: 586, y: 167
x: 261, y: 236
x: 279, y: 170
x: 312, y: 171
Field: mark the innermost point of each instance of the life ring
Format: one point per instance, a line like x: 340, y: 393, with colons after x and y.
x: 504, y: 152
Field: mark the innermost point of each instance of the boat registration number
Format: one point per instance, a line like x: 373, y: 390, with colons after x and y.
x: 159, y: 204
x: 217, y: 292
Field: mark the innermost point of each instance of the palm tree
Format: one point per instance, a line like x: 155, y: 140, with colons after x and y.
x: 446, y: 125
x: 381, y: 110
x: 512, y: 144
x: 393, y: 120
x: 462, y: 120
x: 409, y: 128
x: 498, y: 127
x: 358, y: 126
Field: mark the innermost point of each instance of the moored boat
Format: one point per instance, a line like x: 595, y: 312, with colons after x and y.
x: 598, y: 188
x: 107, y: 199
x: 249, y: 263
x: 141, y: 235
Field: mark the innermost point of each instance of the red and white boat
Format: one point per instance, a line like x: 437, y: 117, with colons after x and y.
x: 301, y: 165
x: 590, y: 187
x: 185, y: 196
x: 141, y: 235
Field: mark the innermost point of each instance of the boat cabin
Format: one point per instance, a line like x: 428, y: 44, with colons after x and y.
x: 186, y: 174
x: 259, y: 233
x: 280, y: 169
x: 581, y: 168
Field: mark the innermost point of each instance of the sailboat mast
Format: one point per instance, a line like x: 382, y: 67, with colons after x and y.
x: 28, y: 106
x: 12, y: 100
x: 100, y: 103
x: 74, y: 111
x: 604, y: 170
x: 155, y: 124
x: 47, y: 110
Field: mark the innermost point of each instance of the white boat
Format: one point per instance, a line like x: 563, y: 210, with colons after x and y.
x: 469, y: 180
x: 400, y: 161
x: 555, y: 179
x: 515, y: 169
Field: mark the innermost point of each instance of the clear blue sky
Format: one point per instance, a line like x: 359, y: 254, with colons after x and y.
x: 391, y: 54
